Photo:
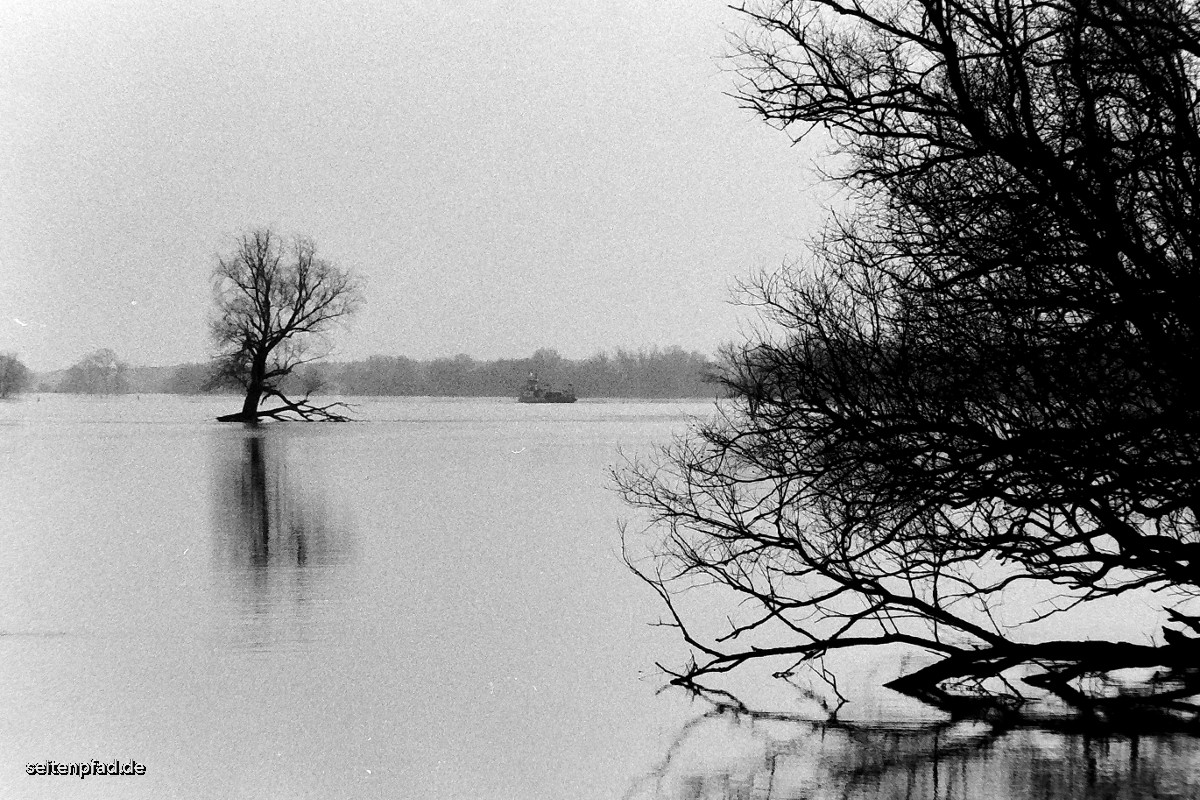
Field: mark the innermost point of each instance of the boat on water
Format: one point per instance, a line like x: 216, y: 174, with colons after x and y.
x: 536, y: 392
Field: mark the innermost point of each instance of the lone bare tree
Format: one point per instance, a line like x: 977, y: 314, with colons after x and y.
x: 276, y: 305
x: 987, y: 380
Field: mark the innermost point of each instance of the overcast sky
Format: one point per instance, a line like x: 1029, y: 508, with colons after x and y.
x: 506, y: 175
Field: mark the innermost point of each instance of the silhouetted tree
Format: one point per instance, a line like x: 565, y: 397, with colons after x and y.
x: 987, y: 379
x: 99, y: 372
x: 274, y: 303
x: 15, y: 377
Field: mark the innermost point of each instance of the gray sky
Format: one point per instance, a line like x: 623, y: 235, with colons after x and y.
x: 507, y: 175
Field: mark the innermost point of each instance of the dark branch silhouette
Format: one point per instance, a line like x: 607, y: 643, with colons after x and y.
x: 986, y: 379
x: 273, y: 305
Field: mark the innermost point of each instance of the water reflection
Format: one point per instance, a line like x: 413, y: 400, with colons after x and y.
x: 276, y: 543
x: 726, y: 754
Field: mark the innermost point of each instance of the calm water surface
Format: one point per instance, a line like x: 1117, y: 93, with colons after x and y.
x: 430, y: 603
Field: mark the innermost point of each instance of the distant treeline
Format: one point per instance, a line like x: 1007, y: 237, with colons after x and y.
x: 649, y: 373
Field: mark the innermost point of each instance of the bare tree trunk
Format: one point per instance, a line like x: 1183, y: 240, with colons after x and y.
x: 254, y: 392
x: 254, y: 387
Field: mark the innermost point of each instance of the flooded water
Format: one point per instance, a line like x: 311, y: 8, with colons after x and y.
x: 429, y: 603
x: 730, y: 755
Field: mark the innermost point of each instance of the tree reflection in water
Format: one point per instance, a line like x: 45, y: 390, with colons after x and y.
x: 275, y: 543
x: 727, y: 754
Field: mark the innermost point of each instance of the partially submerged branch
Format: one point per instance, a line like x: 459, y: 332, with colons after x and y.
x: 294, y: 410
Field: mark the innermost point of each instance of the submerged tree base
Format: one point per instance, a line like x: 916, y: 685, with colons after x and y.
x: 1035, y: 685
x: 728, y: 752
x: 292, y: 411
x: 1079, y: 674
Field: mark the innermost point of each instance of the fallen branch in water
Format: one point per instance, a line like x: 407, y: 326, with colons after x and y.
x: 293, y: 410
